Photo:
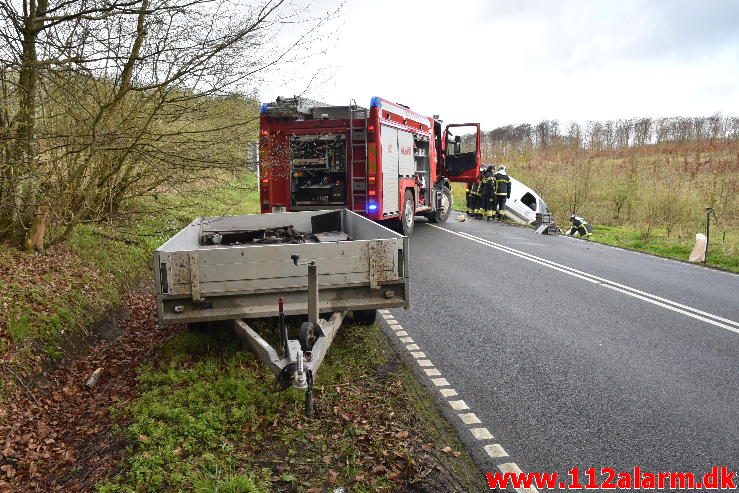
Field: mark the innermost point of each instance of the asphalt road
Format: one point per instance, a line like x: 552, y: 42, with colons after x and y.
x: 565, y: 369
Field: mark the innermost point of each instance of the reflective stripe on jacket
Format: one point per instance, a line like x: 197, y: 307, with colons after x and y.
x: 502, y: 185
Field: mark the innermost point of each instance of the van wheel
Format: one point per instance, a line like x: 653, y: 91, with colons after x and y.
x: 446, y: 208
x: 409, y: 212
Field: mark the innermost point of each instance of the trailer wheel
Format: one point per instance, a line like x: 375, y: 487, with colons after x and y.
x: 307, y: 336
x: 446, y: 208
x: 408, y: 217
x: 199, y: 327
x: 364, y: 317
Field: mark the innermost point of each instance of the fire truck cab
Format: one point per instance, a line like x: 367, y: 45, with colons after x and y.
x: 387, y: 162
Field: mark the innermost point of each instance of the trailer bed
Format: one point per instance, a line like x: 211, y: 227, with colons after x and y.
x: 236, y: 267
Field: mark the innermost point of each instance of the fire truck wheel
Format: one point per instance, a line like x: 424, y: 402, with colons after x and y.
x: 364, y: 317
x: 446, y: 203
x: 409, y: 212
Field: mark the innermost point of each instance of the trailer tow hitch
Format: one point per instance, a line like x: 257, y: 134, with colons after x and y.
x: 284, y: 379
x: 294, y: 373
x: 295, y: 362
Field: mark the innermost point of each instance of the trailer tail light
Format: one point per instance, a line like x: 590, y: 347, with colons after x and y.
x: 370, y: 128
x: 265, y: 180
x: 373, y: 193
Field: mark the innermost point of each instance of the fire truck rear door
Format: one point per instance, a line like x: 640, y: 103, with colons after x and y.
x: 461, y: 152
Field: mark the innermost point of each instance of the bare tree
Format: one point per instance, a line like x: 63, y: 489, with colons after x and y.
x: 107, y: 100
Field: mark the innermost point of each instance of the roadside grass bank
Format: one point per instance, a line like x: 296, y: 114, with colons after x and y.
x: 49, y: 301
x: 723, y: 249
x: 207, y: 421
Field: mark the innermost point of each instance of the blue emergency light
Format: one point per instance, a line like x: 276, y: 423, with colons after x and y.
x: 372, y: 206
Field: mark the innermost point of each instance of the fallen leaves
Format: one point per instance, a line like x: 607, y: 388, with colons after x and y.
x: 58, y: 438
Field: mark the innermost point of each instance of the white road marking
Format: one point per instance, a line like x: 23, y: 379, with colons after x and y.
x: 383, y: 311
x: 621, y: 288
x: 387, y: 316
x: 459, y: 405
x: 469, y: 418
x: 495, y: 451
x: 481, y: 433
x: 513, y: 468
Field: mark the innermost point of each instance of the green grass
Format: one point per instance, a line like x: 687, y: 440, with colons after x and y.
x: 721, y: 254
x: 207, y: 421
x: 188, y: 418
x: 459, y: 200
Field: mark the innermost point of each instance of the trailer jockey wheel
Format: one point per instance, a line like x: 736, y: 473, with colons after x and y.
x: 409, y: 212
x: 307, y: 336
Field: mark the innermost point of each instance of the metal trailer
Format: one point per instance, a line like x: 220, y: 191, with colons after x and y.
x: 236, y: 268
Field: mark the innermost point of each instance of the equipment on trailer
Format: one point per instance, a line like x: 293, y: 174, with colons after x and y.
x: 385, y: 162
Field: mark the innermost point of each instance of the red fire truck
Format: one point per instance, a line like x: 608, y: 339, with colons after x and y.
x: 387, y: 162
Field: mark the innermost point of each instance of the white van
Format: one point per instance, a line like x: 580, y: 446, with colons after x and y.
x: 524, y: 203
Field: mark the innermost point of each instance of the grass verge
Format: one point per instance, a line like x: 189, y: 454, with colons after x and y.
x: 722, y: 252
x: 206, y: 421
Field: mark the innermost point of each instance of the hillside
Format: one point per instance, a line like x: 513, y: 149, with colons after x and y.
x: 646, y: 193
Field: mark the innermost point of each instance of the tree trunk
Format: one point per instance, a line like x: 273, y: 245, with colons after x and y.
x: 22, y: 156
x: 35, y: 240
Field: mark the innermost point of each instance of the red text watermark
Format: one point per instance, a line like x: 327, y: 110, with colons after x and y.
x: 606, y: 478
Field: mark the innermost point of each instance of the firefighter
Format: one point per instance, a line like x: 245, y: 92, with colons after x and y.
x: 477, y: 210
x: 477, y: 200
x: 579, y: 226
x: 472, y: 199
x: 487, y: 206
x: 502, y: 191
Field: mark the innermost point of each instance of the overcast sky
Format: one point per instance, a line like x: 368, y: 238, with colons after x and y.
x: 513, y: 61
